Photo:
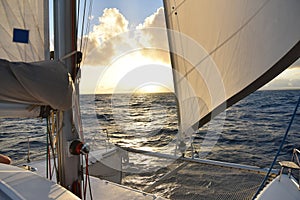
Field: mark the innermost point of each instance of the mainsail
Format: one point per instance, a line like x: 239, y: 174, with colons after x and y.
x: 28, y: 78
x: 224, y: 50
x: 24, y: 30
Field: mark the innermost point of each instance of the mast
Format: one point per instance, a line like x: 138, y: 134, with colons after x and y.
x: 65, y: 37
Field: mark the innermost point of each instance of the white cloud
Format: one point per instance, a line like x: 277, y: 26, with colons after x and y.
x: 98, y: 53
x: 288, y: 79
x: 112, y: 23
x: 112, y: 38
x: 100, y: 48
x: 154, y: 27
x: 296, y: 64
x: 156, y: 20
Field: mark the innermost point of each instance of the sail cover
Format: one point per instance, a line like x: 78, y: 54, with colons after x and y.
x: 37, y: 83
x: 221, y: 51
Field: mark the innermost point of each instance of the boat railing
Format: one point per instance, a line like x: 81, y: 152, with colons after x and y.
x: 102, y: 139
x: 294, y: 164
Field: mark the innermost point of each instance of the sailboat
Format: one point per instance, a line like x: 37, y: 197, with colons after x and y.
x: 220, y: 52
x: 42, y: 85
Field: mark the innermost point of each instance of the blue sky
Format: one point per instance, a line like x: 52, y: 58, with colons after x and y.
x: 135, y: 11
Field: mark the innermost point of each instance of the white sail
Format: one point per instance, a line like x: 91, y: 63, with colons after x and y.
x: 29, y: 80
x: 39, y: 83
x: 24, y: 30
x: 224, y: 50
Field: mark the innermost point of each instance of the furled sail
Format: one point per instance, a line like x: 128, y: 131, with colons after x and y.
x: 222, y: 51
x: 37, y: 83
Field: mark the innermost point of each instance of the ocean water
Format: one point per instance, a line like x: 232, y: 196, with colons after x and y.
x: 251, y: 132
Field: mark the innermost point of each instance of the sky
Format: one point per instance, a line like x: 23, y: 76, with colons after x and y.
x: 115, y: 60
x: 113, y: 65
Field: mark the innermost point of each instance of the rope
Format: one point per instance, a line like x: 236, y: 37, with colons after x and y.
x: 78, y: 16
x: 51, y: 131
x: 86, y: 174
x: 48, y: 156
x: 87, y: 28
x: 82, y: 27
x: 278, y: 151
x: 87, y: 179
x: 68, y: 55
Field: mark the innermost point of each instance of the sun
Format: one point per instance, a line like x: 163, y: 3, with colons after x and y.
x: 135, y: 73
x: 152, y: 88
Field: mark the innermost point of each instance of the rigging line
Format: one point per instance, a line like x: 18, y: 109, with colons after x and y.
x: 279, y: 150
x: 86, y: 175
x: 228, y: 39
x: 51, y: 132
x: 48, y: 164
x: 48, y: 150
x: 68, y: 55
x: 87, y: 29
x: 82, y: 27
x: 90, y: 188
x: 78, y: 16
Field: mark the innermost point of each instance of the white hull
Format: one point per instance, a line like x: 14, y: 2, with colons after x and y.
x: 105, y: 164
x: 287, y: 188
x: 17, y: 183
x: 20, y: 184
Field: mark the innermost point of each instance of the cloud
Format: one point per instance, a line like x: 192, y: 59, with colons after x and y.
x: 112, y: 38
x: 296, y: 64
x: 112, y: 23
x: 155, y: 20
x: 283, y: 84
x: 288, y: 79
x: 154, y: 27
x: 101, y: 48
x: 97, y: 53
